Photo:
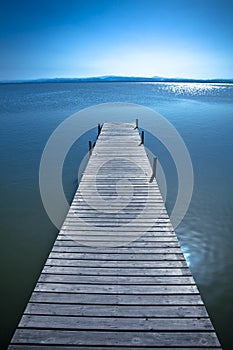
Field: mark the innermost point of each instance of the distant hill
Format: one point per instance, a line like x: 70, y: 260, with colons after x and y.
x: 114, y: 78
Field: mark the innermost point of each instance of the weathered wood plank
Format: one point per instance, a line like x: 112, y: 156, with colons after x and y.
x: 123, y: 251
x: 155, y: 215
x: 117, y: 256
x: 126, y: 229
x: 168, y: 311
x: 101, y: 338
x: 117, y: 299
x: 111, y: 323
x: 115, y: 280
x: 100, y: 240
x: 114, y: 271
x: 122, y: 264
x: 170, y: 243
x: 144, y: 240
x: 151, y: 232
x: 115, y: 289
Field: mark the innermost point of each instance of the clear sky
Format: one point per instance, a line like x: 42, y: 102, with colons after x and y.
x: 80, y: 38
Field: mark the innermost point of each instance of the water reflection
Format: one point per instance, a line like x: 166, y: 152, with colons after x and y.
x: 192, y: 89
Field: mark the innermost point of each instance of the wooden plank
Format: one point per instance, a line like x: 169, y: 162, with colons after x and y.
x: 166, y: 311
x: 120, y: 263
x: 170, y: 243
x: 127, y: 229
x: 102, y: 338
x: 110, y: 323
x: 120, y: 251
x: 115, y: 289
x: 116, y: 299
x: 151, y: 212
x: 111, y: 213
x: 118, y: 221
x: 114, y: 271
x: 123, y: 241
x: 116, y: 256
x: 144, y: 240
x: 116, y: 280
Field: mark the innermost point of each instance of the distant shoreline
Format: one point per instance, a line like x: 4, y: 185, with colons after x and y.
x: 116, y: 79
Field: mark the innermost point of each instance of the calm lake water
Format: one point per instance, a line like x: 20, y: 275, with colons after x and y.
x: 202, y: 114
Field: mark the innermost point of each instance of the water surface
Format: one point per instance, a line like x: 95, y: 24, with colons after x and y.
x: 202, y: 114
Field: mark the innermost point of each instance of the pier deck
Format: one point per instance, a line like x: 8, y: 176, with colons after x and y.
x: 116, y: 277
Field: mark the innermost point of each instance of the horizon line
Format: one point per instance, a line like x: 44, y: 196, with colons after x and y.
x: 116, y: 78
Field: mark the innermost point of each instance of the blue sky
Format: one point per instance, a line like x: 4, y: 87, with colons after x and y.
x: 79, y: 38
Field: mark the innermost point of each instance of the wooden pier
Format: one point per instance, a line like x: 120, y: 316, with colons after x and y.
x: 116, y: 277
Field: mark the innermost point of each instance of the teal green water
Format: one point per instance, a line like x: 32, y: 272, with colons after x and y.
x: 202, y: 114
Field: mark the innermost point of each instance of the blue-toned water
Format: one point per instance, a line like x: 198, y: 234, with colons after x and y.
x: 202, y: 114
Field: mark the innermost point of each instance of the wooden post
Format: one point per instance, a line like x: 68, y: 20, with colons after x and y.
x: 90, y: 148
x: 153, y: 176
x: 142, y: 142
x: 154, y: 166
x: 99, y: 129
x: 136, y: 127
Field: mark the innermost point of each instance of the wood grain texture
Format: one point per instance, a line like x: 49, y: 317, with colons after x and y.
x: 115, y: 338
